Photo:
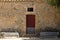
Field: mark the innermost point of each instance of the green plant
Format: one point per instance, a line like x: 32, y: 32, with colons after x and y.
x: 54, y: 2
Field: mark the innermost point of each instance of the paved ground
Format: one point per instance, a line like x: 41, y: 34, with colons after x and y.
x: 30, y: 39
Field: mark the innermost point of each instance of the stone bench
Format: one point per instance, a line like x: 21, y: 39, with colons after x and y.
x: 49, y: 34
x: 10, y: 34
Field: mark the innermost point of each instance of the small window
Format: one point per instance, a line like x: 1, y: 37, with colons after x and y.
x: 30, y: 10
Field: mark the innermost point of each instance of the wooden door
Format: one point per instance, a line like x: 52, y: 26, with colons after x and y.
x: 30, y: 24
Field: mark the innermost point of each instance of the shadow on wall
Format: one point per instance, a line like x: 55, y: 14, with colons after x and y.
x: 49, y: 29
x: 10, y: 30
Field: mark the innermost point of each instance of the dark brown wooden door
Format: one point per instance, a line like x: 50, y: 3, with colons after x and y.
x: 30, y: 20
x: 30, y: 24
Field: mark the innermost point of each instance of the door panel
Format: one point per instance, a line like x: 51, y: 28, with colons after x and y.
x: 30, y: 20
x: 30, y: 30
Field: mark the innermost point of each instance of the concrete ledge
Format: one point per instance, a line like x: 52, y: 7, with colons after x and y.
x: 49, y: 34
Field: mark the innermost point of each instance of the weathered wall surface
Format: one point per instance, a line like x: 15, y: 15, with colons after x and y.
x: 47, y: 15
x: 13, y: 15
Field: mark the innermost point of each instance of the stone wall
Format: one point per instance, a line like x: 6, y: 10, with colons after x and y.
x: 46, y: 15
x: 13, y: 15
